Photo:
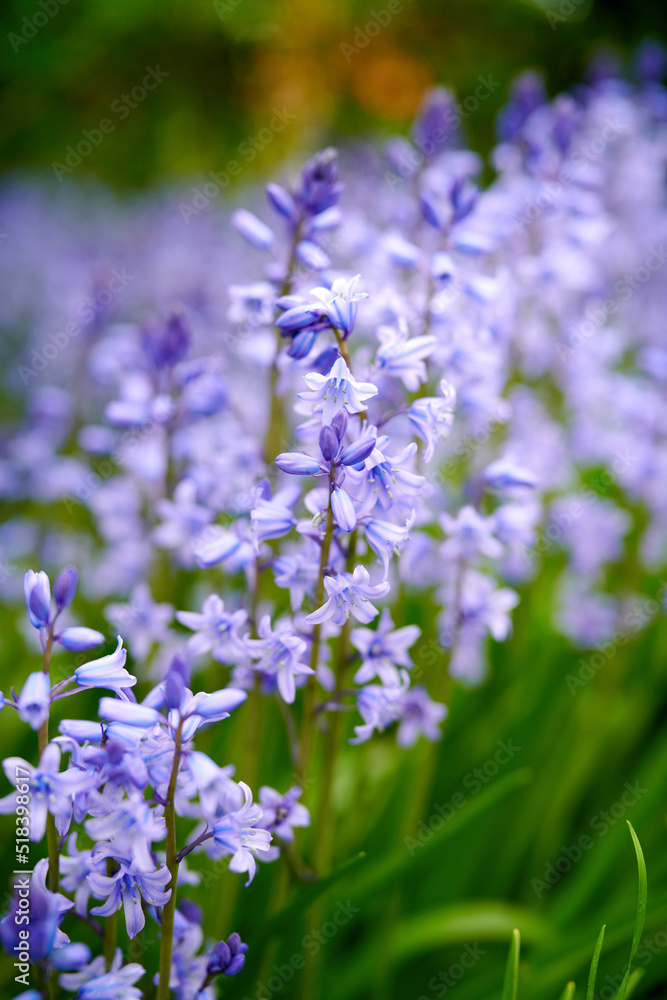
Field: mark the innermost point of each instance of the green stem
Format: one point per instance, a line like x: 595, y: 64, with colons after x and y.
x: 167, y: 928
x: 309, y: 701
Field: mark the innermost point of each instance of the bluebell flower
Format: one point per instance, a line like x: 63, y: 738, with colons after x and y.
x: 340, y: 302
x: 257, y: 233
x: 385, y: 478
x: 403, y: 358
x: 470, y: 535
x: 51, y: 790
x: 183, y: 519
x: 64, y: 587
x: 311, y: 255
x: 75, y: 865
x: 167, y: 343
x: 228, y: 957
x: 76, y: 639
x: 379, y: 705
x: 141, y: 620
x: 107, y: 672
x: 349, y: 594
x: 238, y: 833
x: 431, y: 418
x: 216, y: 631
x: 279, y: 653
x: 272, y: 516
x: 95, y: 983
x: 46, y: 911
x: 319, y: 187
x: 504, y: 475
x: 34, y: 701
x: 386, y: 538
x: 297, y: 572
x: 419, y: 716
x: 436, y: 122
x: 383, y: 650
x: 337, y: 391
x: 281, y: 813
x: 343, y: 510
x: 37, y: 598
x: 125, y: 888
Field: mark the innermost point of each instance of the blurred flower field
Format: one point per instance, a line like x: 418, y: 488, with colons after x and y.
x: 333, y: 552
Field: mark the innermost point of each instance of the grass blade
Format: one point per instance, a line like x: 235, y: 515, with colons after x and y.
x: 590, y: 992
x: 568, y: 992
x: 511, y: 983
x: 641, y: 914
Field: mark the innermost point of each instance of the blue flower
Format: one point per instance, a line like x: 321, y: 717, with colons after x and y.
x: 337, y: 391
x: 37, y: 598
x: 228, y: 957
x: 279, y: 653
x: 216, y: 631
x: 238, y: 833
x: 349, y: 594
x: 46, y: 911
x: 340, y: 302
x: 125, y: 888
x: 35, y: 700
x: 383, y: 650
x: 107, y: 672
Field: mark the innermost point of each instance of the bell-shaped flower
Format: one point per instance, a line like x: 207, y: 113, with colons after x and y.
x: 343, y: 510
x: 403, y: 358
x: 252, y: 229
x: 470, y: 535
x: 272, y: 516
x: 37, y: 591
x: 125, y: 888
x: 64, y: 587
x: 349, y: 594
x: 51, y: 790
x: 217, y: 705
x: 228, y: 957
x: 107, y: 672
x: 387, y: 478
x: 383, y: 650
x: 42, y: 918
x: 238, y: 833
x: 340, y: 302
x: 129, y: 713
x: 281, y: 813
x: 337, y: 391
x: 431, y: 419
x: 216, y: 631
x: 35, y: 699
x: 279, y: 653
x: 386, y: 538
x: 77, y: 638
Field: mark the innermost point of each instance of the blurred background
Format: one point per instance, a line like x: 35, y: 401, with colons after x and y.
x: 231, y: 62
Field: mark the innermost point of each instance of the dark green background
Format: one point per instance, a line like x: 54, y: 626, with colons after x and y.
x: 227, y: 73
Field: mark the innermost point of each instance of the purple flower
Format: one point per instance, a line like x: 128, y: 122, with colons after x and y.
x: 216, y: 631
x: 35, y: 700
x: 125, y: 888
x: 228, y: 957
x: 279, y: 653
x: 107, y: 672
x: 337, y: 391
x: 238, y: 833
x: 383, y: 650
x: 340, y: 302
x: 37, y: 598
x: 281, y: 813
x: 46, y: 911
x: 252, y: 229
x: 142, y: 621
x: 349, y: 594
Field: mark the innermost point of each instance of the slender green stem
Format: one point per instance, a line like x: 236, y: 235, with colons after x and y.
x: 167, y: 928
x: 110, y: 925
x: 309, y: 701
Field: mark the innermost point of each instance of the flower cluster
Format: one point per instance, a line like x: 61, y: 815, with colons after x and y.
x: 426, y: 389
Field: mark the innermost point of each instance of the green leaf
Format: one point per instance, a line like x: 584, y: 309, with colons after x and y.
x: 590, y: 992
x: 400, y: 863
x: 568, y: 992
x: 462, y: 922
x: 641, y: 914
x: 512, y: 970
x: 633, y: 981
